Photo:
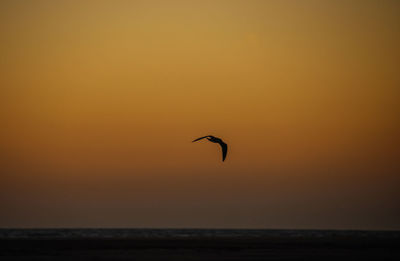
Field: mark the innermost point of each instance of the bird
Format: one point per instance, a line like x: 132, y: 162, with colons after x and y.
x: 213, y: 139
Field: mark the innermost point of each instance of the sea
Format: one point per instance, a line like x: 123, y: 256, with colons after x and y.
x: 165, y: 233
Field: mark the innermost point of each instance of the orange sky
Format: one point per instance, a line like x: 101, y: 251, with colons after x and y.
x: 99, y: 102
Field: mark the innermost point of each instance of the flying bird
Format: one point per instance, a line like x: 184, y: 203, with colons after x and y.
x: 213, y: 139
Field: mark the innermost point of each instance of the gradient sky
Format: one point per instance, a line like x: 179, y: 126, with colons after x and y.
x: 99, y: 102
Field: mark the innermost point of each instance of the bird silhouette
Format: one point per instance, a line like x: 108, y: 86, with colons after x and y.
x: 216, y: 140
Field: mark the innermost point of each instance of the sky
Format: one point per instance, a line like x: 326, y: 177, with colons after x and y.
x: 100, y: 100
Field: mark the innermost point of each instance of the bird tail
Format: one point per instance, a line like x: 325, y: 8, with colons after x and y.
x: 200, y: 138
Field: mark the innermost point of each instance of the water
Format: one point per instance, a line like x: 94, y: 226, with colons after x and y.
x: 186, y: 233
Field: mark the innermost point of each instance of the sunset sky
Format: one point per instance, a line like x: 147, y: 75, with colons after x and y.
x: 100, y: 100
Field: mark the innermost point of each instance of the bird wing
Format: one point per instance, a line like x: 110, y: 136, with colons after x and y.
x: 201, y: 138
x: 224, y: 149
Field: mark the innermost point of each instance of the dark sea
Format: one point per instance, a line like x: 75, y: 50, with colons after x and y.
x: 197, y: 244
x: 127, y: 233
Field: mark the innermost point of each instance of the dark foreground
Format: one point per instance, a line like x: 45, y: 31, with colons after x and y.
x: 198, y: 245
